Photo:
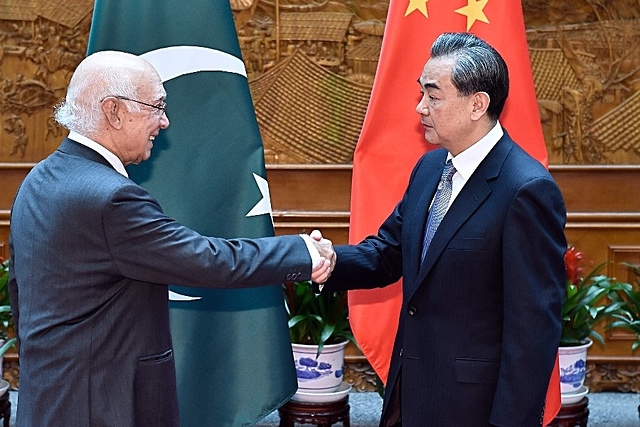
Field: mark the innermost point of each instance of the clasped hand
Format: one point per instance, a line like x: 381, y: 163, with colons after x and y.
x: 324, y: 246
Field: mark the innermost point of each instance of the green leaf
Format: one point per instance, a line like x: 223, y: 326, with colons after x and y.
x: 316, y: 318
x: 7, y: 345
x: 595, y: 299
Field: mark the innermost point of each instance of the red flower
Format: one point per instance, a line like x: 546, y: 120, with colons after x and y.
x: 573, y: 264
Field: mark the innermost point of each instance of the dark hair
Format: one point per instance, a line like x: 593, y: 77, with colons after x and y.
x: 477, y: 67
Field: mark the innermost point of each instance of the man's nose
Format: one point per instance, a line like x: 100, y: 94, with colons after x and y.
x: 164, y: 121
x: 421, y: 107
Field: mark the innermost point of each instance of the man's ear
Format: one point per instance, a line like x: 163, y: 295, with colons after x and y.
x: 111, y: 109
x: 480, y: 105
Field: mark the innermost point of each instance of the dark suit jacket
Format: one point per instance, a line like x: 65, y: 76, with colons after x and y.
x: 481, y: 318
x: 91, y: 257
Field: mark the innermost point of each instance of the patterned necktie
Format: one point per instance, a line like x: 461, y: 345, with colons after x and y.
x: 439, y: 206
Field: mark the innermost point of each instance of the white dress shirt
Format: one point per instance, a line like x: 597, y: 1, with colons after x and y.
x: 468, y: 161
x: 108, y: 155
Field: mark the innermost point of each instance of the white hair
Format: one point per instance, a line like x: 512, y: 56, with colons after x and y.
x: 91, y: 83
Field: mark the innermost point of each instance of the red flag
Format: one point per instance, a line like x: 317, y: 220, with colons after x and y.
x: 392, y: 138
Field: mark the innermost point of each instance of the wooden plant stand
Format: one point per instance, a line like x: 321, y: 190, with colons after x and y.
x: 572, y: 415
x: 319, y: 414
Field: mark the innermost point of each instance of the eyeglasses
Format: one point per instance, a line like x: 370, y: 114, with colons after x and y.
x: 162, y: 107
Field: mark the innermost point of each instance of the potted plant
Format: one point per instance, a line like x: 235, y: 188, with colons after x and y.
x: 590, y: 300
x: 7, y: 338
x: 319, y: 330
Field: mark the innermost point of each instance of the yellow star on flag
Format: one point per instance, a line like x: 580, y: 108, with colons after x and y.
x: 473, y: 12
x: 420, y: 5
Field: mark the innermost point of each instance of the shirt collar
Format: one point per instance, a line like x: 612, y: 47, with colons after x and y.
x: 108, y: 155
x: 468, y: 161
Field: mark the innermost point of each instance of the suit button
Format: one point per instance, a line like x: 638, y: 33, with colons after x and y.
x: 288, y: 277
x: 412, y: 311
x: 401, y: 350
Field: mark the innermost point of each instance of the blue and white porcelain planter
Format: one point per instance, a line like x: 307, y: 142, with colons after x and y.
x: 573, y: 367
x: 323, y: 374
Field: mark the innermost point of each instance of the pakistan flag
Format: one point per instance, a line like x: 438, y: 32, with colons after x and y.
x: 233, y: 356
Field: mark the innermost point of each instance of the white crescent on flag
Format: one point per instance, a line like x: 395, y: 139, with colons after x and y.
x: 175, y: 61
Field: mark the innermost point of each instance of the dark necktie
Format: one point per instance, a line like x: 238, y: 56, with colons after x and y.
x: 439, y: 206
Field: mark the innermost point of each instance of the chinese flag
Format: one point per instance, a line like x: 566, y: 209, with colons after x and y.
x: 392, y: 138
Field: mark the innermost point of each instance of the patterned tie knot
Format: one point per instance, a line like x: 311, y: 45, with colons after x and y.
x: 448, y: 171
x: 447, y: 174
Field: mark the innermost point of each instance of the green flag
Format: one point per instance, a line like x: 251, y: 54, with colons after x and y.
x: 233, y: 355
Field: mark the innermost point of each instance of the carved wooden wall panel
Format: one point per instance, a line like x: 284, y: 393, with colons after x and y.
x: 42, y: 43
x: 585, y: 57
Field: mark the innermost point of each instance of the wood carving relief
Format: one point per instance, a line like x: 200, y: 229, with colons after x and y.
x: 613, y: 376
x: 41, y: 43
x: 360, y: 375
x: 585, y: 58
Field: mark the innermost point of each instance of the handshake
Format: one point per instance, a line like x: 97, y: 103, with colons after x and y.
x: 323, y: 270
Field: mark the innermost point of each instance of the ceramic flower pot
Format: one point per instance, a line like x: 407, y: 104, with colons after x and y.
x: 323, y: 374
x: 573, y: 366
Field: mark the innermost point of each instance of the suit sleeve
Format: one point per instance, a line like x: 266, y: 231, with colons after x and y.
x: 149, y: 246
x: 534, y: 288
x: 377, y: 260
x: 373, y: 263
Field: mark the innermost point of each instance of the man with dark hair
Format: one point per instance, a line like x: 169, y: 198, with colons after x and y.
x: 478, y: 239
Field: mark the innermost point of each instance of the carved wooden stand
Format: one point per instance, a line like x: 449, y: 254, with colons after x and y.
x: 5, y: 409
x: 320, y: 414
x: 572, y: 415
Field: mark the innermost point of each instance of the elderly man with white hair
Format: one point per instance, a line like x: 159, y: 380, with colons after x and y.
x: 92, y: 255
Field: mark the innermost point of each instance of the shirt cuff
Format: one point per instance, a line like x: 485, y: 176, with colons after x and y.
x: 313, y: 252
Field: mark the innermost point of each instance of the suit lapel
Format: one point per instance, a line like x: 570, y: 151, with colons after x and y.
x: 473, y: 194
x: 426, y: 181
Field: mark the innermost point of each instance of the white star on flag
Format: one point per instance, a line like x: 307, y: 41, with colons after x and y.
x: 264, y: 205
